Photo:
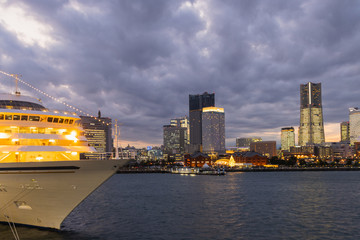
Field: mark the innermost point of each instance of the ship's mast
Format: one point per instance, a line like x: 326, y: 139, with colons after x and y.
x: 16, y: 76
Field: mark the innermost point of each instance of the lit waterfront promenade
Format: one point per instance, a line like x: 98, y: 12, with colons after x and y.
x: 279, y: 169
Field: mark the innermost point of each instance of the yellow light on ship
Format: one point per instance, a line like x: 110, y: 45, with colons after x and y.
x: 15, y: 140
x: 17, y: 153
x: 74, y: 153
x: 61, y: 131
x: 4, y: 135
x: 68, y: 152
x: 5, y: 152
x: 39, y: 158
x: 13, y: 126
x: 52, y: 140
x: 71, y: 137
x: 73, y: 133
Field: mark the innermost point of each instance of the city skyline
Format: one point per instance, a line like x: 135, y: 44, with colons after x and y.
x: 138, y: 61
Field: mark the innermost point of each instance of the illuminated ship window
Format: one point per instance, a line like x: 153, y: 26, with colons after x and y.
x: 24, y: 117
x: 34, y: 118
x: 61, y: 120
x: 49, y: 119
x: 56, y: 120
x: 1, y: 116
x: 8, y: 117
x: 16, y: 117
x: 71, y: 121
x: 66, y: 121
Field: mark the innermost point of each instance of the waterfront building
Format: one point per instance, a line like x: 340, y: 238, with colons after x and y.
x: 345, y: 131
x: 98, y: 131
x: 324, y: 151
x: 341, y: 150
x: 245, y: 142
x: 155, y: 155
x: 197, y: 159
x: 301, y: 152
x: 196, y: 104
x: 287, y: 138
x: 266, y: 148
x: 213, y: 130
x: 354, y: 124
x: 253, y: 158
x: 128, y: 153
x: 357, y: 149
x: 311, y: 130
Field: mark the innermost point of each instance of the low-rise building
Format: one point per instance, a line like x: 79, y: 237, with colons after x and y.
x: 197, y: 159
x: 256, y: 159
x: 266, y: 148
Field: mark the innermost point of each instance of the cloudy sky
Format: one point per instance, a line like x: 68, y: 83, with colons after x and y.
x: 138, y: 61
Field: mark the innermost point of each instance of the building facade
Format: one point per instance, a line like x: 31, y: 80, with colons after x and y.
x: 184, y: 123
x: 254, y: 158
x: 197, y: 160
x: 266, y: 148
x: 341, y: 150
x: 98, y: 131
x: 311, y: 130
x: 345, y: 131
x: 287, y: 138
x: 213, y: 130
x: 245, y: 142
x: 196, y: 104
x: 354, y: 124
x: 174, y: 139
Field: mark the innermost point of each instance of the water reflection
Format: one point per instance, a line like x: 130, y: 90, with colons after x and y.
x: 274, y: 205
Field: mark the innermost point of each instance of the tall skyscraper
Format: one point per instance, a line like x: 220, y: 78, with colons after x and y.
x: 174, y: 139
x: 184, y: 123
x: 311, y: 130
x: 196, y: 104
x: 287, y: 138
x: 99, y: 133
x: 354, y: 122
x: 345, y: 131
x: 176, y: 136
x: 213, y: 130
x: 245, y: 142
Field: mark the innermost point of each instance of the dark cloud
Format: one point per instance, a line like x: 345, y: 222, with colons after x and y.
x: 138, y: 61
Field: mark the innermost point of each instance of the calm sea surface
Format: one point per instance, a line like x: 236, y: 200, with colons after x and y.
x: 273, y: 205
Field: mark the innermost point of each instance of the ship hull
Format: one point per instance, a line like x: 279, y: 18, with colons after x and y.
x: 44, y: 193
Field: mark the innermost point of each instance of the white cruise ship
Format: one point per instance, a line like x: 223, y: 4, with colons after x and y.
x: 42, y: 178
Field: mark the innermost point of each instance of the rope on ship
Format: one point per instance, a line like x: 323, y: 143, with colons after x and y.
x: 8, y: 218
x: 12, y: 227
x: 16, y: 77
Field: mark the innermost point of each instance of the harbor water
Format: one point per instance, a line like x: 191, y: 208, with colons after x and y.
x: 251, y: 205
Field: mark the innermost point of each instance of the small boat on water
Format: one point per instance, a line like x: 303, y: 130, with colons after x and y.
x: 212, y: 171
x: 197, y: 171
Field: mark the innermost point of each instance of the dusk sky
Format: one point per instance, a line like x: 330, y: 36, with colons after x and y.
x: 138, y: 61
